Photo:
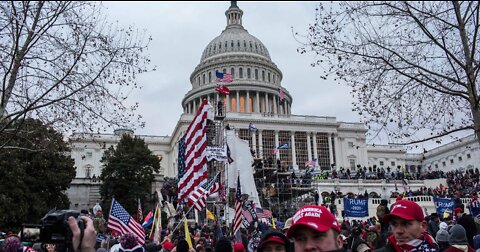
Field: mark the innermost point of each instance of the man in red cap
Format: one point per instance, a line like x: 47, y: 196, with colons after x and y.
x: 408, y: 227
x: 314, y: 228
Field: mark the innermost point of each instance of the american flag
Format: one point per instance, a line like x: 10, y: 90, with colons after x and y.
x: 195, y: 158
x: 311, y: 163
x: 237, y: 220
x: 120, y: 221
x: 198, y: 197
x: 223, y: 77
x: 263, y: 213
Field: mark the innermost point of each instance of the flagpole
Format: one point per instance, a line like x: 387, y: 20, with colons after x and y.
x: 193, y: 205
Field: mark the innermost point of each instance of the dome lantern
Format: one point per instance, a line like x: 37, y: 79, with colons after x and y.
x: 234, y: 16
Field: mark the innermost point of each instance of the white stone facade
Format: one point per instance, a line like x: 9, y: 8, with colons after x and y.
x: 254, y: 98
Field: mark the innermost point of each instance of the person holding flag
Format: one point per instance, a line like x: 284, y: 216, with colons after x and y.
x: 121, y: 222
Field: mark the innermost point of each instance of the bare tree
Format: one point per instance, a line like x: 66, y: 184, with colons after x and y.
x: 412, y: 66
x: 63, y: 63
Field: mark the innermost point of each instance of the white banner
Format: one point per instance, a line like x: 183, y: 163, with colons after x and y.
x: 217, y: 153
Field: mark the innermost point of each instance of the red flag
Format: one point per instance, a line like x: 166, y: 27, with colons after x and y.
x: 222, y: 90
x: 195, y: 154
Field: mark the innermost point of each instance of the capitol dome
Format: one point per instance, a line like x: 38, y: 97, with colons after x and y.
x: 235, y: 39
x: 255, y: 86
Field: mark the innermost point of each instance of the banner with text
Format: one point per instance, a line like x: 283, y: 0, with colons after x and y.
x: 356, y: 207
x: 218, y: 153
x: 443, y: 205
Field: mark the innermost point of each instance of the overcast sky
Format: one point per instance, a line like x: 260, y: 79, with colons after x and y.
x: 181, y: 31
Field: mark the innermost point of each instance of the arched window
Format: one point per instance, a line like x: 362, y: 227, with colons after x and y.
x: 209, y: 77
x: 263, y: 75
x: 268, y: 74
x: 240, y: 72
x: 203, y: 79
x: 249, y: 74
x: 232, y: 71
x: 256, y: 74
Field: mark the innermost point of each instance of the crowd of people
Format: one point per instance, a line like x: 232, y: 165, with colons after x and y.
x: 397, y: 228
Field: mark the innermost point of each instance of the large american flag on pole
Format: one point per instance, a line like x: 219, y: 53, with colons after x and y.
x: 237, y: 219
x: 195, y: 171
x: 120, y: 221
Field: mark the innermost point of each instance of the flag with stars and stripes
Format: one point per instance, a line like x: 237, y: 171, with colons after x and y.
x: 195, y: 157
x: 198, y: 197
x: 121, y: 222
x: 238, y: 217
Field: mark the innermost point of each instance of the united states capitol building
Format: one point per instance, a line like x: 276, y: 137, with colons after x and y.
x: 254, y: 99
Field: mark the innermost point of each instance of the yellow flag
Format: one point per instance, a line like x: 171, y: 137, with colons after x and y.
x: 210, y: 215
x: 187, y: 234
x: 273, y: 224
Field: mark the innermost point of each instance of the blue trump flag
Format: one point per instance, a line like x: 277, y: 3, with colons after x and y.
x: 474, y: 207
x: 443, y: 205
x: 356, y: 207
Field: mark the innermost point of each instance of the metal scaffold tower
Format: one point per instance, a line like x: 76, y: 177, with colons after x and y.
x: 216, y: 138
x: 278, y: 188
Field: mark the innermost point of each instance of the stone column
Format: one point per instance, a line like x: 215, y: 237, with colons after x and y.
x: 276, y: 144
x: 228, y: 104
x: 260, y: 144
x: 309, y: 147
x: 254, y: 144
x: 315, y: 151
x: 248, y: 102
x: 330, y: 148
x: 294, y: 153
x: 257, y: 102
x: 238, y: 102
x: 337, y: 160
x: 267, y: 107
x: 275, y: 105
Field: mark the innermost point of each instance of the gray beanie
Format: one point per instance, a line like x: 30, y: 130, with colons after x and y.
x: 458, y: 235
x: 442, y: 235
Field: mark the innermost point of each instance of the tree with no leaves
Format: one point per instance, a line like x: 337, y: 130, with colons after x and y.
x: 64, y: 64
x: 412, y: 66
